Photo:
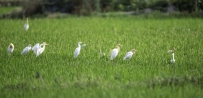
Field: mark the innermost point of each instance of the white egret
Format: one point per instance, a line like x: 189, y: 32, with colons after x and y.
x: 35, y: 48
x: 26, y: 49
x: 41, y: 48
x: 129, y: 54
x: 173, y: 55
x: 77, y: 50
x: 173, y: 58
x: 10, y: 48
x: 115, y: 52
x: 26, y: 26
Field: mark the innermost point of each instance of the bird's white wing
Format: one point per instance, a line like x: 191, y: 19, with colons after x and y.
x: 9, y: 49
x: 25, y: 50
x: 128, y: 55
x: 114, y: 53
x: 37, y: 52
x: 40, y: 50
x: 77, y: 52
x: 26, y: 26
x: 36, y: 46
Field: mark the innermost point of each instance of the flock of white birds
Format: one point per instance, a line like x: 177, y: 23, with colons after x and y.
x: 39, y: 49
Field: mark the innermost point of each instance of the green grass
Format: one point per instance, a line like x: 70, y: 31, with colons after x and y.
x: 147, y: 74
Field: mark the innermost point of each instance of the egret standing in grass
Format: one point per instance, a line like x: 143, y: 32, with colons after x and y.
x: 35, y: 48
x: 173, y: 55
x: 77, y: 50
x: 26, y: 49
x: 39, y: 48
x: 26, y: 26
x: 129, y: 54
x: 115, y: 52
x: 10, y: 48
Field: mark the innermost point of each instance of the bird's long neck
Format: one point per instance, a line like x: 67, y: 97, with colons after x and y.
x: 173, y: 56
x: 42, y: 46
x: 27, y: 21
x: 118, y: 47
x: 79, y: 45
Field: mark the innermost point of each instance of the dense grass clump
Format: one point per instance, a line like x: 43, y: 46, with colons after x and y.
x: 55, y: 73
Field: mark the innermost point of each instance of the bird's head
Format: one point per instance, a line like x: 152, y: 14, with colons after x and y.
x: 133, y: 50
x: 30, y: 45
x: 11, y: 45
x: 118, y: 45
x: 172, y: 51
x: 44, y: 43
x: 79, y: 42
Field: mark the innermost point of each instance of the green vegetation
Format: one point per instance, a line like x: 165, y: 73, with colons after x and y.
x: 4, y: 10
x: 147, y: 74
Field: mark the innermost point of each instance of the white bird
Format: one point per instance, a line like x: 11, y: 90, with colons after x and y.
x: 10, y: 48
x: 173, y: 58
x: 129, y: 54
x: 102, y: 53
x: 39, y: 48
x: 26, y: 26
x: 35, y: 48
x: 173, y: 55
x: 77, y: 50
x: 115, y: 52
x: 26, y: 49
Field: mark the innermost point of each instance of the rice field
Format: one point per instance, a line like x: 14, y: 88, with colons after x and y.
x: 148, y: 74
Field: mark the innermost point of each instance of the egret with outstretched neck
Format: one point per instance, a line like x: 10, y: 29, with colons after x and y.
x: 77, y: 50
x: 173, y: 55
x: 26, y: 26
x: 41, y: 49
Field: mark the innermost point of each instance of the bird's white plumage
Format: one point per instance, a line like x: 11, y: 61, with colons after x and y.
x: 39, y: 48
x: 26, y: 26
x: 129, y: 54
x: 35, y: 48
x: 173, y: 55
x: 26, y: 49
x: 115, y: 52
x: 77, y: 50
x: 173, y: 58
x: 10, y: 48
